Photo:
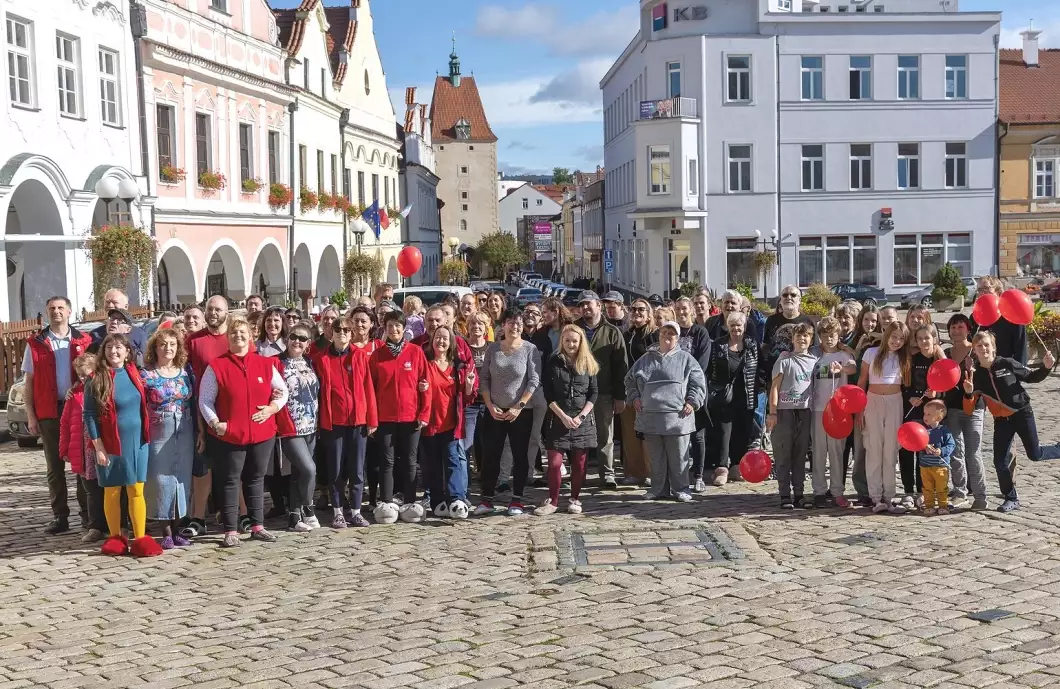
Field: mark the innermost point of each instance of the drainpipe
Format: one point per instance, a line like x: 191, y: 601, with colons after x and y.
x: 344, y: 119
x: 138, y: 24
x: 292, y: 108
x: 780, y: 229
x: 997, y: 160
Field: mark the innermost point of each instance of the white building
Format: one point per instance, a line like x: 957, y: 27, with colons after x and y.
x: 504, y: 186
x: 522, y: 201
x: 423, y: 228
x: 860, y: 135
x: 69, y: 118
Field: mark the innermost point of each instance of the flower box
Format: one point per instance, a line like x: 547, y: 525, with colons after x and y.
x: 212, y: 180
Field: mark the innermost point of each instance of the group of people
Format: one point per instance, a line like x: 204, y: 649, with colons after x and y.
x: 365, y: 412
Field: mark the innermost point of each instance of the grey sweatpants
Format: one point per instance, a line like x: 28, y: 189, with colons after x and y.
x: 604, y: 416
x: 827, y: 455
x: 966, y: 464
x: 670, y: 462
x: 791, y: 442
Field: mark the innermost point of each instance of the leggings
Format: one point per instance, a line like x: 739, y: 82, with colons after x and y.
x: 398, y: 449
x: 243, y: 465
x: 299, y: 451
x: 908, y: 463
x: 344, y: 449
x: 493, y: 434
x: 137, y: 509
x: 555, y: 473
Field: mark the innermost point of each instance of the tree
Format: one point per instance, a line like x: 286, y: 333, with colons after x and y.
x: 453, y: 271
x: 500, y: 251
x: 561, y: 175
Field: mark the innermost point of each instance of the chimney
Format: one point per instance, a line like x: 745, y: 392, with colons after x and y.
x: 1030, y: 47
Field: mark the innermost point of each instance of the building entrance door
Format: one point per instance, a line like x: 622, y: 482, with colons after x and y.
x: 678, y: 264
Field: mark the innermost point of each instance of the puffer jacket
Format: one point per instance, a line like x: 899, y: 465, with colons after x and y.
x: 72, y: 431
x: 717, y: 373
x: 664, y: 383
x: 571, y: 391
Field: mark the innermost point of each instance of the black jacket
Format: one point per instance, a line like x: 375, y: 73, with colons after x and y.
x: 638, y: 342
x: 696, y: 342
x: 543, y: 342
x: 1002, y: 386
x: 717, y: 372
x: 571, y: 391
x: 716, y: 327
x: 1011, y: 339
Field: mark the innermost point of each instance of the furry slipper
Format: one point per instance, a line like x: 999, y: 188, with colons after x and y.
x: 145, y: 546
x: 115, y: 545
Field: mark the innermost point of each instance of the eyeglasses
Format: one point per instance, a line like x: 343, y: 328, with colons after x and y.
x: 298, y: 338
x: 792, y: 295
x: 341, y: 329
x: 531, y: 313
x: 639, y: 309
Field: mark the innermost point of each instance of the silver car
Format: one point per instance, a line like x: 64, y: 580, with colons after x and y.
x: 17, y: 420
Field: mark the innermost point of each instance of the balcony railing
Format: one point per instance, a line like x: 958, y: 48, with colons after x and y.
x: 667, y: 108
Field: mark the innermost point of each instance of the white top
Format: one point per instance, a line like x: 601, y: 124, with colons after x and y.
x: 892, y: 373
x: 208, y: 393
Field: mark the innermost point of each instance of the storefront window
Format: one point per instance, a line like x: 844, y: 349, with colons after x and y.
x: 1038, y: 254
x: 811, y: 261
x: 740, y: 263
x: 917, y: 258
x: 837, y: 260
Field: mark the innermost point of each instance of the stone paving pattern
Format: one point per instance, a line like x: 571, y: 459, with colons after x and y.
x: 817, y: 599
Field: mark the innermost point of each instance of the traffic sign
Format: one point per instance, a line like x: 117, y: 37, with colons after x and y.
x: 609, y: 256
x: 609, y: 266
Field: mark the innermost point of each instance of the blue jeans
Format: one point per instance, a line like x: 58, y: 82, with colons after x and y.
x: 471, y: 414
x: 760, y: 410
x: 445, y: 467
x: 344, y: 449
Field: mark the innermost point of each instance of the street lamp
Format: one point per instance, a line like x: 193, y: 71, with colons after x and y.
x: 454, y: 242
x: 109, y: 189
x: 770, y: 245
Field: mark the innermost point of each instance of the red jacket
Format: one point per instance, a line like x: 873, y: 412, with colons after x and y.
x: 244, y: 384
x: 108, y: 415
x: 460, y: 398
x: 72, y: 430
x: 45, y: 388
x: 351, y: 370
x: 463, y: 349
x: 397, y: 385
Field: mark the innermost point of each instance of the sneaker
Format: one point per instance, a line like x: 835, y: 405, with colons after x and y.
x: 442, y: 511
x: 412, y: 513
x: 804, y: 503
x: 545, y: 509
x: 897, y: 509
x: 57, y: 526
x: 880, y: 507
x: 646, y: 483
x: 820, y: 501
x: 231, y: 541
x: 630, y: 481
x: 386, y: 513
x: 295, y: 524
x: 734, y: 474
x: 980, y: 504
x: 574, y: 507
x: 92, y: 536
x: 919, y: 501
x: 683, y: 497
x: 842, y: 502
x: 244, y: 523
x: 610, y: 483
x: 865, y: 501
x: 654, y: 496
x: 484, y: 508
x: 359, y: 521
x: 458, y: 509
x: 786, y: 504
x: 515, y: 508
x: 194, y: 529
x: 930, y: 511
x: 348, y: 514
x: 829, y: 500
x: 167, y: 543
x: 180, y: 541
x: 942, y: 510
x: 907, y: 502
x: 700, y: 485
x: 263, y: 535
x: 312, y: 521
x: 504, y: 487
x: 540, y: 483
x: 1009, y: 506
x: 960, y: 503
x: 338, y: 521
x: 721, y: 476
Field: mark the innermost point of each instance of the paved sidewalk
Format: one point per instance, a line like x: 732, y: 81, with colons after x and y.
x: 725, y: 592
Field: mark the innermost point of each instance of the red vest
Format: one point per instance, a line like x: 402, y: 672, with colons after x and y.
x: 243, y: 385
x: 45, y: 388
x: 349, y: 370
x: 108, y: 415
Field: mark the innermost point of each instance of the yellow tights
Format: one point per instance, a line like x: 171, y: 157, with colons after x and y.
x: 137, y: 509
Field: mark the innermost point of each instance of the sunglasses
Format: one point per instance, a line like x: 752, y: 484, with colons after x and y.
x: 298, y: 338
x: 793, y: 295
x: 341, y: 329
x: 639, y: 309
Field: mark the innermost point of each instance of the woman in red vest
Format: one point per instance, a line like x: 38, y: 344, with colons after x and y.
x: 240, y: 393
x: 116, y: 423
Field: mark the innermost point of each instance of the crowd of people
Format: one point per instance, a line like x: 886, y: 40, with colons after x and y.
x: 382, y: 413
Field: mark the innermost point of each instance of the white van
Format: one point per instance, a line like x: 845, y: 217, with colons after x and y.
x: 430, y: 294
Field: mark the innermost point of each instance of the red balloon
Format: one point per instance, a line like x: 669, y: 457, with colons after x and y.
x: 1016, y: 307
x: 912, y: 436
x: 409, y: 261
x: 944, y: 375
x: 987, y: 310
x: 837, y: 423
x: 755, y: 466
x: 850, y: 399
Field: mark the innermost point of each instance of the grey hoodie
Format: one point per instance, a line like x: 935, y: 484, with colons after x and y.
x: 664, y: 383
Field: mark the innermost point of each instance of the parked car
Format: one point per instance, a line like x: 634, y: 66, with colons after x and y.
x: 571, y: 297
x: 866, y: 294
x: 923, y: 295
x: 528, y: 295
x: 1050, y: 292
x: 17, y: 420
x: 430, y: 294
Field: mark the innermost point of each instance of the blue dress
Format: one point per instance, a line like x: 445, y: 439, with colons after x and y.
x: 131, y: 466
x: 172, y: 448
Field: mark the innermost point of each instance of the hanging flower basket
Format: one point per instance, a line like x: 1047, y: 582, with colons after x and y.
x: 765, y: 260
x: 252, y: 185
x: 360, y: 267
x: 279, y: 196
x: 172, y: 175
x: 307, y: 200
x: 212, y: 180
x: 326, y: 202
x: 116, y: 252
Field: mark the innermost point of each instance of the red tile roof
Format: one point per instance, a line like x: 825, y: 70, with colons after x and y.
x: 1029, y: 95
x: 555, y: 192
x: 342, y: 31
x: 449, y: 104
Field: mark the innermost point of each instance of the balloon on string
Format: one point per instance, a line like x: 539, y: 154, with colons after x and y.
x: 1016, y: 307
x: 912, y: 436
x: 837, y: 423
x: 986, y: 310
x: 943, y: 375
x: 409, y: 261
x: 850, y: 399
x: 755, y: 466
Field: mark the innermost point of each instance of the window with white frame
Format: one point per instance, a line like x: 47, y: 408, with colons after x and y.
x: 956, y: 165
x: 109, y: 87
x: 203, y: 145
x: 956, y: 76
x: 693, y: 177
x: 860, y: 166
x: 908, y: 77
x: 659, y: 172
x: 67, y: 65
x: 19, y: 60
x: 1044, y: 186
x: 739, y: 158
x: 738, y: 75
x: 526, y: 203
x: 860, y: 77
x: 784, y: 5
x: 812, y: 167
x: 837, y: 259
x: 673, y: 79
x: 221, y: 5
x: 918, y: 257
x: 740, y: 263
x: 812, y: 73
x: 908, y: 166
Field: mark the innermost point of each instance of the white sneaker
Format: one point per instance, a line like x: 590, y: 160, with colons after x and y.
x: 563, y: 470
x: 425, y: 504
x: 907, y: 502
x: 483, y: 509
x: 574, y: 507
x: 442, y: 511
x: 300, y: 527
x: 458, y: 510
x: 386, y: 513
x: 684, y: 497
x: 312, y: 522
x: 700, y: 485
x: 880, y: 507
x: 412, y: 514
x: 897, y: 509
x: 646, y: 483
x: 545, y: 509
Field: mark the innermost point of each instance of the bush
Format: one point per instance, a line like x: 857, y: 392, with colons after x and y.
x: 948, y: 285
x: 689, y: 289
x: 814, y: 308
x: 745, y: 290
x: 820, y: 294
x: 762, y: 307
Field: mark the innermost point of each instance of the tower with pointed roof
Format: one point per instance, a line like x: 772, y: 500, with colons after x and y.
x: 466, y: 153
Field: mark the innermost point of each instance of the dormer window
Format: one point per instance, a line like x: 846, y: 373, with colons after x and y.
x: 463, y: 129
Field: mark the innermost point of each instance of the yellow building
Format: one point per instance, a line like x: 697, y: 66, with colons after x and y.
x: 1029, y: 136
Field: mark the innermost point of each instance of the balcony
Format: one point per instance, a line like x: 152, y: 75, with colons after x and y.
x: 668, y: 108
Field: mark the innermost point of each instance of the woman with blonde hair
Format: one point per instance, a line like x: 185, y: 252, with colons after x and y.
x: 643, y: 334
x: 664, y: 314
x: 412, y: 307
x: 468, y: 307
x: 569, y: 381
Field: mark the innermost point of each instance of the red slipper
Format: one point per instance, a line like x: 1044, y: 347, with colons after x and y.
x: 115, y: 546
x: 145, y: 546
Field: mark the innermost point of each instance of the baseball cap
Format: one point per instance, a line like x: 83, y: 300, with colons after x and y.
x: 389, y: 304
x: 588, y: 295
x: 671, y: 324
x: 120, y: 313
x: 615, y: 297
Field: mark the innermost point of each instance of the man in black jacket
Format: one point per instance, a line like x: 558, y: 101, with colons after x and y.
x: 609, y: 349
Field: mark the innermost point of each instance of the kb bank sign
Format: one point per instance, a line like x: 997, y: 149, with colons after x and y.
x: 660, y: 15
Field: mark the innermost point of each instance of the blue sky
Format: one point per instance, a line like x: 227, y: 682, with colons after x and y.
x: 538, y: 63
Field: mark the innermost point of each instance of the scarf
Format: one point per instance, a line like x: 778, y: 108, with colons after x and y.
x: 395, y: 347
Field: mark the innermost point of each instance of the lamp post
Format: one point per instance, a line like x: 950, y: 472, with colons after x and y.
x: 109, y: 190
x: 454, y: 242
x: 771, y: 244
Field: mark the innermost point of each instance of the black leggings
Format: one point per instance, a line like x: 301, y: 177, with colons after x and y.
x: 243, y: 465
x: 907, y: 461
x: 493, y: 434
x: 299, y: 451
x: 398, y: 445
x: 728, y: 438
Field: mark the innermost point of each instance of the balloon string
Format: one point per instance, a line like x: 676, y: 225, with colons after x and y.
x: 1040, y: 340
x: 922, y: 398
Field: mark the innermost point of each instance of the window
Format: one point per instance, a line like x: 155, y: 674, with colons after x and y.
x: 463, y: 226
x: 877, y: 8
x: 246, y: 144
x: 740, y: 263
x: 463, y: 195
x: 956, y: 76
x: 659, y: 172
x: 320, y: 172
x: 274, y: 157
x: 693, y: 177
x: 908, y: 166
x: 463, y: 129
x: 20, y: 60
x: 108, y: 87
x: 956, y: 165
x: 1043, y: 179
x: 860, y: 166
x: 303, y: 166
x: 673, y: 79
x: 812, y: 72
x: 334, y: 175
x: 221, y: 5
x: 463, y: 207
x: 784, y: 5
x: 164, y: 130
x: 836, y: 260
x: 908, y: 77
x: 360, y: 187
x: 918, y: 257
x: 739, y: 168
x: 859, y: 8
x: 346, y: 186
x: 203, y: 150
x: 540, y: 202
x: 843, y: 8
x: 386, y: 192
x: 66, y: 49
x: 375, y: 188
x: 526, y: 203
x: 860, y: 77
x: 739, y: 78
x: 463, y: 169
x: 812, y: 167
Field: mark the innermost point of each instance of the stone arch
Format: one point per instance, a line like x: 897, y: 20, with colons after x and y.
x: 304, y: 277
x: 39, y: 268
x: 362, y: 153
x: 225, y: 271
x: 392, y: 275
x: 177, y: 279
x: 269, y: 275
x: 329, y: 273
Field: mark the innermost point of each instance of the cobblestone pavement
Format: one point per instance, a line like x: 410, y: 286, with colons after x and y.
x: 725, y: 592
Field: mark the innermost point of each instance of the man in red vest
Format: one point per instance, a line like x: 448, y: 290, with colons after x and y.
x: 48, y: 365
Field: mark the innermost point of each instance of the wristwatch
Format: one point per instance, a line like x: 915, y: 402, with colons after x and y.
x: 580, y: 417
x: 521, y: 406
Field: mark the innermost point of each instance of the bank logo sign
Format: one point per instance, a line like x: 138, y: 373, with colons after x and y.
x: 660, y: 15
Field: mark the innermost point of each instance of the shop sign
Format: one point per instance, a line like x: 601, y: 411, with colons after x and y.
x: 1039, y: 239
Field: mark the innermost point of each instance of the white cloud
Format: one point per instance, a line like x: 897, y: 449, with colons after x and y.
x: 578, y: 86
x: 604, y: 33
x: 1050, y: 38
x: 512, y: 169
x: 594, y: 154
